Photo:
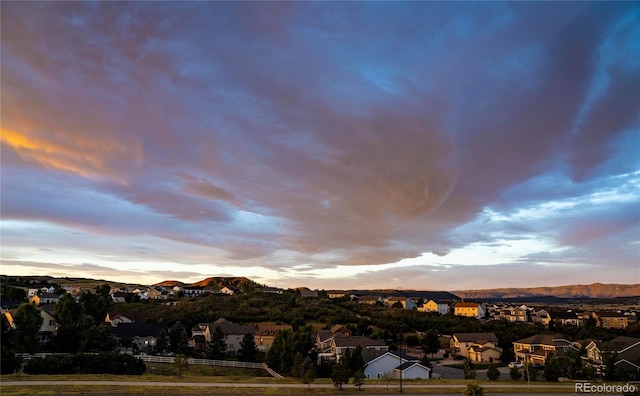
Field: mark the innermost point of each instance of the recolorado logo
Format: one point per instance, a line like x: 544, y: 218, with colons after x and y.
x: 587, y: 387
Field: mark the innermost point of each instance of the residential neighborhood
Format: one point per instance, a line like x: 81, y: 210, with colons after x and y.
x: 156, y: 320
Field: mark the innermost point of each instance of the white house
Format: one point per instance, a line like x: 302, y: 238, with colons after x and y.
x: 385, y: 363
x: 396, y: 365
x: 412, y: 370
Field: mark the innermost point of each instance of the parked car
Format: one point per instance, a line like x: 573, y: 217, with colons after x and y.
x: 538, y: 366
x: 516, y: 364
x: 458, y: 357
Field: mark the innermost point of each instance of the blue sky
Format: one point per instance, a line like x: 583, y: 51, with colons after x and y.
x: 429, y: 145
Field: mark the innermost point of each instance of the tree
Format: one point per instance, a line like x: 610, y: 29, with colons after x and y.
x: 358, y: 379
x: 412, y: 340
x: 178, y: 338
x: 340, y: 374
x: 467, y: 367
x: 163, y: 342
x: 572, y: 364
x: 474, y: 390
x: 531, y: 374
x: 28, y: 322
x: 431, y: 342
x: 181, y: 363
x: 72, y: 325
x: 9, y: 362
x: 248, y: 348
x: 552, y: 369
x: 308, y: 377
x: 97, y: 304
x: 515, y: 373
x: 387, y: 377
x: 218, y: 345
x: 354, y: 360
x: 100, y: 339
x: 492, y: 372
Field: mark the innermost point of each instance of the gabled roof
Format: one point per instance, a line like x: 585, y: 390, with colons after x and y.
x: 609, y: 314
x: 408, y: 365
x: 140, y: 329
x: 476, y: 337
x: 352, y: 342
x: 621, y: 343
x: 229, y: 328
x: 370, y: 356
x: 542, y: 339
x: 467, y: 305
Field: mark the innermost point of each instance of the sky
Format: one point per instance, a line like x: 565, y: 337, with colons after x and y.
x: 333, y: 145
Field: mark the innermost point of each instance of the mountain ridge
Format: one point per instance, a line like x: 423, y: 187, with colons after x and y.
x: 594, y: 290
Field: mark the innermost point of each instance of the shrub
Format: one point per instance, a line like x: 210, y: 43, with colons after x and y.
x: 103, y: 363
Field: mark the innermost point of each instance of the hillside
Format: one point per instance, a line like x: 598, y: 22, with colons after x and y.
x: 595, y: 290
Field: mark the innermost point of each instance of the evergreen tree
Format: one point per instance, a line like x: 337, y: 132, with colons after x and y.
x: 467, y: 367
x: 340, y: 374
x: 308, y: 377
x: 572, y: 364
x: 515, y: 373
x: 218, y: 345
x: 162, y: 343
x: 248, y: 348
x: 178, y: 338
x: 431, y: 342
x: 27, y: 321
x: 493, y: 373
x: 552, y: 369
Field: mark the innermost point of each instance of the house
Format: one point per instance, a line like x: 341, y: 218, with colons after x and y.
x: 193, y: 291
x: 336, y: 293
x: 396, y: 364
x: 305, y: 292
x: 229, y: 290
x: 115, y: 318
x: 407, y: 303
x: 153, y: 293
x: 266, y: 334
x: 325, y: 337
x: 485, y: 346
x: 234, y: 333
x: 435, y: 306
x: 369, y: 300
x: 339, y: 345
x: 32, y: 292
x: 144, y: 335
x: 412, y: 370
x: 611, y: 320
x: 272, y: 290
x: 541, y: 317
x: 517, y: 314
x: 626, y: 350
x: 48, y: 298
x: 537, y: 348
x: 470, y: 309
x: 49, y: 323
x: 568, y: 318
x: 49, y: 289
x: 119, y: 297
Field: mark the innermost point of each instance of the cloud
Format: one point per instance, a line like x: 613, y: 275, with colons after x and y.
x: 320, y: 134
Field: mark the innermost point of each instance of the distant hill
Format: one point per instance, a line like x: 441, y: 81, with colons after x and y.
x: 595, y: 290
x: 425, y: 295
x: 169, y: 283
x: 222, y: 281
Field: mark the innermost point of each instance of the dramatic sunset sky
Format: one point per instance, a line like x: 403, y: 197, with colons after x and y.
x: 429, y: 145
